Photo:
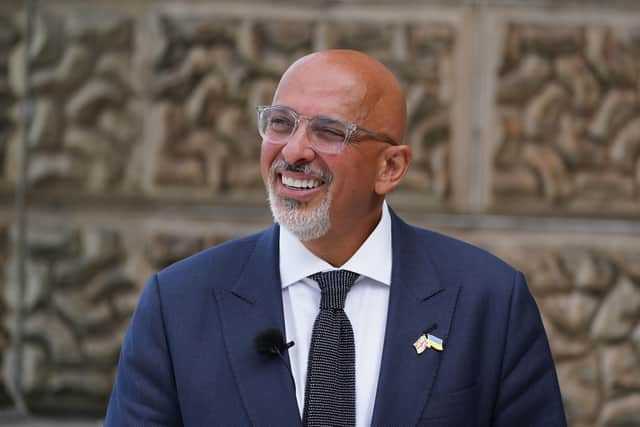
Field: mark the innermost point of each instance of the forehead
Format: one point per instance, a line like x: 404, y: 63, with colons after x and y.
x: 322, y: 91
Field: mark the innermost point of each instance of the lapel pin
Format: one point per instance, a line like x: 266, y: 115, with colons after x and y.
x: 421, y: 344
x: 434, y: 342
x: 427, y: 340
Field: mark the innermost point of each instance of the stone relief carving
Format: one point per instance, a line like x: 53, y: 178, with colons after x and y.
x: 568, y: 117
x: 8, y: 38
x: 85, y: 112
x: 590, y: 302
x: 209, y: 73
x: 79, y: 299
x: 165, y: 248
x: 78, y: 303
x: 5, y: 399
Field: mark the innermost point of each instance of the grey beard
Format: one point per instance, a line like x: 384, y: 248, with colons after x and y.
x: 288, y: 213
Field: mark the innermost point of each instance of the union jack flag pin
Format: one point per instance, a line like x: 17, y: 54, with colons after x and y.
x: 421, y: 344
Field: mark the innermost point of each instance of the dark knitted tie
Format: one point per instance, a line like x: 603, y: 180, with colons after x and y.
x: 330, y: 394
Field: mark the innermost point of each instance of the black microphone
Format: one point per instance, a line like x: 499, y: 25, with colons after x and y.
x: 271, y: 343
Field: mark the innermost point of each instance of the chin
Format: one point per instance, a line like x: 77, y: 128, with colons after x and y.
x: 304, y: 222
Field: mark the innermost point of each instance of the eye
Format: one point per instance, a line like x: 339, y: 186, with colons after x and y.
x: 328, y: 131
x: 280, y: 123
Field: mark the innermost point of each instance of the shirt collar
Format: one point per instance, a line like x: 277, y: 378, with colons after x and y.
x: 373, y: 259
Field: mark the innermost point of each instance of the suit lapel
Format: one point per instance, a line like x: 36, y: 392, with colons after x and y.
x: 417, y: 301
x: 254, y: 304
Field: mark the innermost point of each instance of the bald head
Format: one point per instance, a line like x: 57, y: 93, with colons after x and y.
x: 362, y: 88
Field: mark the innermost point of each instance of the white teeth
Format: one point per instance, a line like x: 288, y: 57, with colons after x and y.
x: 300, y: 183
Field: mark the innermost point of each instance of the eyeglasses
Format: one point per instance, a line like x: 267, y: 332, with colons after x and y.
x: 277, y: 124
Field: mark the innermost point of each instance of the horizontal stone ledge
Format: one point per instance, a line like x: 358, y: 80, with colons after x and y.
x: 328, y: 3
x: 252, y: 206
x: 13, y: 418
x: 256, y: 215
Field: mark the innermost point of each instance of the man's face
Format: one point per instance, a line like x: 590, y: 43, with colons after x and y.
x: 311, y: 193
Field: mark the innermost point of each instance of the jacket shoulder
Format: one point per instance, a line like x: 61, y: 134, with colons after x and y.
x: 470, y: 254
x: 461, y: 262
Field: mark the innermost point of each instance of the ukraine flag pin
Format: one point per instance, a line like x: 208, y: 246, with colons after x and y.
x: 434, y: 342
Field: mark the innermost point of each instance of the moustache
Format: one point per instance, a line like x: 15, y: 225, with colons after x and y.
x: 302, y: 168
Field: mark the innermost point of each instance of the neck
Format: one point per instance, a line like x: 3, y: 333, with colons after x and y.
x: 340, y: 243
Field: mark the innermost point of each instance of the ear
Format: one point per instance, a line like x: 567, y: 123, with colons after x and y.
x: 393, y: 165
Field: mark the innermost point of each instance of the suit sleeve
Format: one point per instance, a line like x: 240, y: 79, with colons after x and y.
x: 144, y: 393
x: 529, y: 393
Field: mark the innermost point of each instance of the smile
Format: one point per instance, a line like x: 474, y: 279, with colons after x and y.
x: 300, y: 184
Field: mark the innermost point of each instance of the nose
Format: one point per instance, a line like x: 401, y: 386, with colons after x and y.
x: 298, y: 148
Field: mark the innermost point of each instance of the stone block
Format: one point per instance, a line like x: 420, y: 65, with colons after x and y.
x: 626, y: 144
x: 548, y: 274
x: 619, y: 311
x: 45, y: 128
x: 36, y: 285
x: 571, y: 313
x: 621, y: 412
x: 591, y: 272
x: 104, y: 349
x: 83, y: 315
x: 75, y: 321
x: 58, y: 336
x: 92, y: 382
x: 34, y: 375
x: 74, y: 67
x: 622, y: 366
x: 85, y: 104
x: 568, y: 112
x: 9, y: 36
x: 525, y: 80
x: 214, y: 67
x: 273, y: 46
x: 81, y: 76
x: 375, y: 39
x: 574, y: 72
x: 579, y: 383
x: 163, y: 249
x: 5, y: 336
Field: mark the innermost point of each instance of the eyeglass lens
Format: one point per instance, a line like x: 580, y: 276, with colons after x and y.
x: 325, y: 134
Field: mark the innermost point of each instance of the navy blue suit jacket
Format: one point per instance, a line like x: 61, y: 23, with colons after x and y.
x: 188, y: 356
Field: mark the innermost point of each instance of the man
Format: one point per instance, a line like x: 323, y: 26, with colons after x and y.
x: 432, y: 332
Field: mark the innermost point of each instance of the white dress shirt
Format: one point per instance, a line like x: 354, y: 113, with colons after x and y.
x: 366, y: 306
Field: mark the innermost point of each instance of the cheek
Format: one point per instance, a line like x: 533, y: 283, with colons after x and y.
x: 268, y: 153
x: 357, y: 177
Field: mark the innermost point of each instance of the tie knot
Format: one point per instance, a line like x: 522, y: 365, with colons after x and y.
x: 334, y: 286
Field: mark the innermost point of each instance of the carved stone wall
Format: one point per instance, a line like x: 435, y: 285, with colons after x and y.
x: 569, y: 118
x: 8, y: 36
x: 78, y: 301
x: 82, y: 288
x: 5, y: 399
x: 209, y: 72
x: 86, y: 119
x: 589, y: 297
x: 143, y: 150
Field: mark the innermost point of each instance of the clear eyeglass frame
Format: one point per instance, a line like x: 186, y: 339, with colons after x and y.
x: 329, y: 145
